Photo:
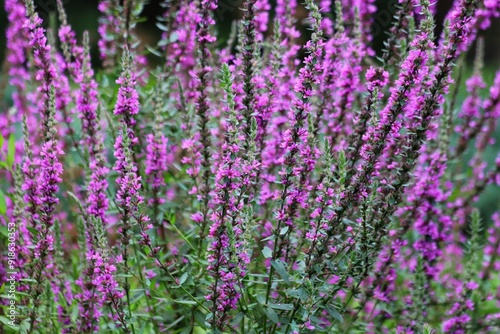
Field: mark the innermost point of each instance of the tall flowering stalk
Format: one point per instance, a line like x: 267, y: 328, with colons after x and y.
x: 295, y: 138
x: 128, y: 182
x: 224, y: 292
x: 157, y: 159
x: 16, y: 54
x: 248, y: 67
x: 204, y: 38
x: 295, y: 142
x: 87, y: 105
x: 50, y: 167
x: 48, y: 179
x: 109, y: 30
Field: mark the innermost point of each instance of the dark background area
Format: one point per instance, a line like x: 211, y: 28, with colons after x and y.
x: 83, y: 15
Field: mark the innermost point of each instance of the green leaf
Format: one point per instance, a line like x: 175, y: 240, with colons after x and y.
x: 185, y: 302
x: 271, y: 237
x: 161, y: 26
x: 74, y: 314
x: 427, y: 329
x: 261, y: 299
x: 284, y: 307
x: 284, y: 230
x: 11, y: 151
x: 334, y: 313
x: 3, y: 203
x: 4, y: 231
x: 272, y: 315
x: 280, y: 268
x: 183, y: 278
x: 153, y: 51
x: 199, y: 317
x: 267, y: 252
x: 33, y: 231
x: 6, y: 321
x: 198, y: 330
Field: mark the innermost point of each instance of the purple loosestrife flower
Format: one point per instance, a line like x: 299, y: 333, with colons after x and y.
x: 492, y: 249
x: 46, y: 72
x: 72, y: 52
x: 265, y: 106
x: 225, y: 271
x: 262, y: 8
x: 50, y: 176
x: 181, y: 40
x: 17, y: 44
x: 157, y: 158
x: 479, y: 18
x: 421, y: 126
x: 31, y: 170
x: 485, y: 124
x: 116, y: 31
x: 327, y: 23
x: 376, y: 79
x: 470, y: 112
x: 285, y: 11
x: 396, y: 142
x: 248, y: 65
x: 109, y: 30
x: 325, y: 194
x: 383, y: 139
x: 327, y: 119
x: 486, y: 12
x: 461, y: 31
x: 431, y: 223
x: 89, y: 299
x: 298, y: 144
x: 87, y: 104
x: 285, y: 36
x: 109, y: 288
x: 127, y: 103
x: 128, y: 198
x: 346, y: 89
x: 63, y: 98
x: 203, y: 144
x: 387, y: 125
x: 97, y: 199
x: 463, y: 295
x: 50, y: 169
x: 295, y: 138
x: 362, y: 11
x: 48, y: 179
